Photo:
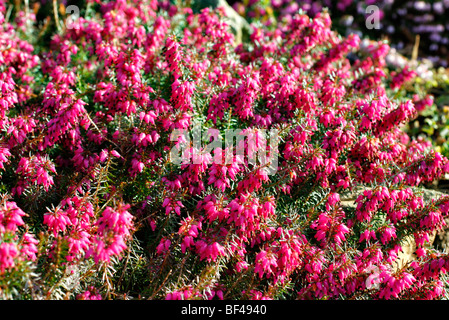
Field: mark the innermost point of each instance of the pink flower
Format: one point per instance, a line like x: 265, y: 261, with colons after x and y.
x: 115, y: 154
x: 10, y: 217
x: 90, y: 294
x: 332, y: 200
x: 8, y: 253
x: 28, y: 246
x: 4, y: 154
x: 367, y: 235
x: 113, y: 230
x: 387, y: 233
x: 171, y: 205
x: 173, y: 56
x: 57, y: 221
x: 266, y: 263
x: 340, y: 233
x: 209, y: 251
x: 163, y: 246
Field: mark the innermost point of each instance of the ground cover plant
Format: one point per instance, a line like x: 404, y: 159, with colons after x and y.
x: 92, y: 205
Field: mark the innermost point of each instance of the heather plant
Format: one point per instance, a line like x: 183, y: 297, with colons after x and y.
x: 93, y: 206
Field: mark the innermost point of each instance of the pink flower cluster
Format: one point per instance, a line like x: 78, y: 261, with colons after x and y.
x: 16, y: 246
x: 87, y: 146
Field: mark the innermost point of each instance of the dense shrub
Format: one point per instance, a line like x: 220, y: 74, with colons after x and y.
x: 93, y: 206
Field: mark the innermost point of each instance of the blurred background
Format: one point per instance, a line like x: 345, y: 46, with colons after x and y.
x: 403, y: 23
